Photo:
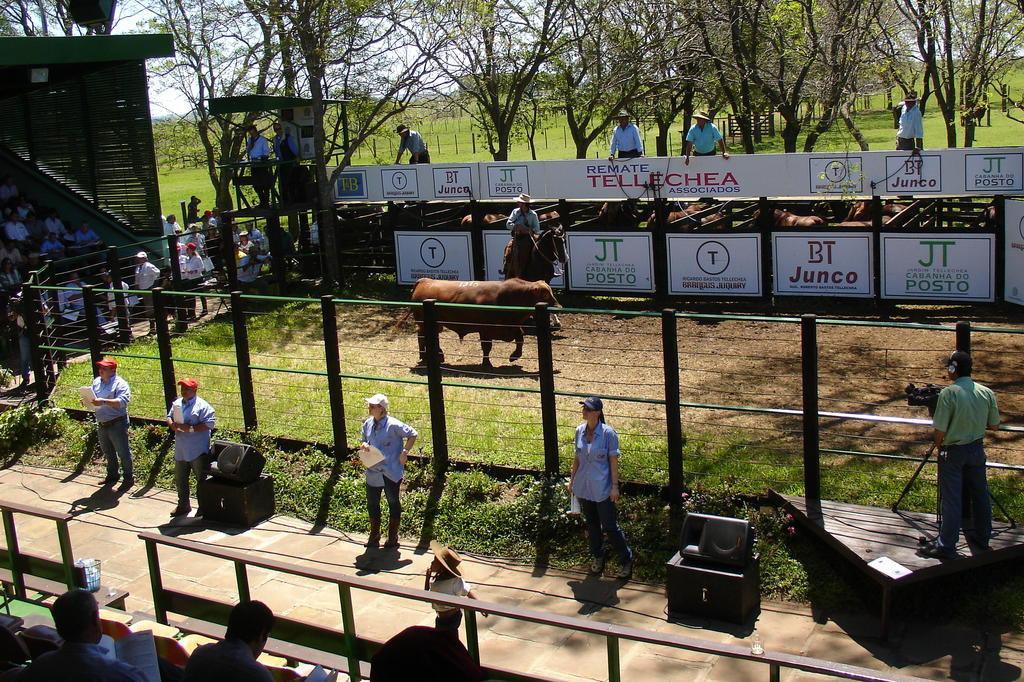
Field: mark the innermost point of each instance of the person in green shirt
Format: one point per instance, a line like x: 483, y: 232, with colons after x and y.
x: 965, y: 409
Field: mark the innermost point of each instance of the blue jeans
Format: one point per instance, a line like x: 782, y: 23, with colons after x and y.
x: 114, y: 444
x: 391, y: 491
x: 960, y: 465
x: 601, y: 518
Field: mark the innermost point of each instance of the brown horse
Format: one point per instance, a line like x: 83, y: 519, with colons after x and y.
x: 534, y: 258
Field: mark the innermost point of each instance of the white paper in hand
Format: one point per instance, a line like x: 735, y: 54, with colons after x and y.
x: 87, y: 395
x: 321, y: 675
x: 176, y: 416
x: 371, y: 457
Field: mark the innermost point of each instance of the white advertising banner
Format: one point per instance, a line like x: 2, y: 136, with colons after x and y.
x: 494, y: 258
x: 943, y: 171
x: 610, y: 261
x: 1014, y: 225
x: 823, y: 264
x: 439, y: 255
x: 938, y: 267
x: 720, y: 265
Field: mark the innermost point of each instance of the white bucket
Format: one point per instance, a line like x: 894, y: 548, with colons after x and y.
x: 91, y: 570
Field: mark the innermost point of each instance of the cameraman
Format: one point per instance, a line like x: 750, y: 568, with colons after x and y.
x: 965, y: 409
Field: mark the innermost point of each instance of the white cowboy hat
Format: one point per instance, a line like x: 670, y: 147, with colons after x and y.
x: 702, y: 115
x: 524, y: 198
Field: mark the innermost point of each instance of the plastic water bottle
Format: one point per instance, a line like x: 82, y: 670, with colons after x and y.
x: 756, y: 647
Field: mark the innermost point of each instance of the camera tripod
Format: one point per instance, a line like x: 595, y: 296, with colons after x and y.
x: 938, y: 496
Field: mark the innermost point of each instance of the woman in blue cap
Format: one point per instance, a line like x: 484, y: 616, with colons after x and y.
x: 595, y: 483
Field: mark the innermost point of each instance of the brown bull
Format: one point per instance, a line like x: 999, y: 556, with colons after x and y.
x: 782, y: 218
x: 688, y: 213
x: 861, y: 210
x: 492, y: 325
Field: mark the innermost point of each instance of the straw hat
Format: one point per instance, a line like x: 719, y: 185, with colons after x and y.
x: 448, y: 557
x: 523, y: 198
x: 702, y: 115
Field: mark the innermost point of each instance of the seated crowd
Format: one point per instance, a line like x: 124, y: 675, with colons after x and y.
x: 82, y: 648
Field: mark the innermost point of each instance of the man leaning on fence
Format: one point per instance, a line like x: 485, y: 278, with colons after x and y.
x: 412, y: 141
x: 191, y: 419
x: 111, y: 402
x: 964, y: 411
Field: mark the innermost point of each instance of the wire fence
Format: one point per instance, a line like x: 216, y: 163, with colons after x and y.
x: 301, y: 368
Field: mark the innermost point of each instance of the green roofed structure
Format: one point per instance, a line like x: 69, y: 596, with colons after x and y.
x: 77, y: 129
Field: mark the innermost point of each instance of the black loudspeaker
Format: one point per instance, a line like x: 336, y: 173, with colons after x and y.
x: 86, y: 12
x: 716, y: 540
x: 706, y: 592
x: 239, y: 504
x: 236, y: 461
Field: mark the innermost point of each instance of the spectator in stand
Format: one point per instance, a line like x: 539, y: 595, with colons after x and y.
x: 214, y: 217
x: 107, y: 287
x: 10, y: 250
x: 70, y: 300
x: 234, y: 658
x: 10, y: 278
x: 170, y: 226
x: 626, y: 139
x: 195, y: 236
x: 146, y: 277
x: 15, y: 231
x: 248, y: 262
x: 24, y: 207
x: 85, y: 239
x: 192, y: 212
x: 34, y: 227
x: 54, y: 225
x: 258, y: 150
x: 80, y: 658
x: 412, y: 141
x: 191, y: 277
x: 112, y: 397
x: 52, y: 247
x: 8, y: 190
x: 191, y: 419
x: 257, y: 239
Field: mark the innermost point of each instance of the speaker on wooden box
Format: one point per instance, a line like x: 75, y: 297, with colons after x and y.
x: 239, y: 504
x: 236, y: 461
x: 716, y: 540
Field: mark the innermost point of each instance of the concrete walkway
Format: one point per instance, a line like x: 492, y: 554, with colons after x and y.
x: 106, y: 526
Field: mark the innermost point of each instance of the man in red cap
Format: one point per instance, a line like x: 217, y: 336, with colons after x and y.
x: 191, y: 419
x: 111, y: 402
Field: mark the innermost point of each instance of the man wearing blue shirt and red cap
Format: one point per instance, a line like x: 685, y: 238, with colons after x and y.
x: 112, y: 397
x: 191, y: 419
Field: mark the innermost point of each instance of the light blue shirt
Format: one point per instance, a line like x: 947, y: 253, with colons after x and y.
x: 86, y: 237
x: 50, y: 246
x: 188, y: 446
x: 76, y: 661
x: 115, y: 388
x: 293, y: 146
x: 529, y: 219
x: 911, y: 123
x: 258, y: 148
x: 626, y: 139
x: 593, y: 480
x: 412, y: 142
x: 388, y: 435
x: 703, y: 139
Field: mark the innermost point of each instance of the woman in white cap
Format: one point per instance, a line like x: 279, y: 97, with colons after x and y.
x: 524, y: 224
x: 595, y: 483
x: 394, y: 439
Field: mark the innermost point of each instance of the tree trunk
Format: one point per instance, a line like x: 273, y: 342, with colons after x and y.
x: 828, y: 117
x: 325, y: 216
x: 844, y: 113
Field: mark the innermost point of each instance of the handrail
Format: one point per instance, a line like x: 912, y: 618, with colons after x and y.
x: 7, y: 512
x: 613, y: 633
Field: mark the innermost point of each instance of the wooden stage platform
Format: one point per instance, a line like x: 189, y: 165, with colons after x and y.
x: 862, y: 535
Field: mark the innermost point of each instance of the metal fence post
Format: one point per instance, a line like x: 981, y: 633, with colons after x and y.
x: 124, y: 329
x: 32, y: 305
x: 877, y: 220
x: 476, y: 238
x: 435, y: 385
x: 548, y: 413
x: 963, y: 336
x: 245, y: 387
x: 334, y: 388
x: 163, y: 345
x: 809, y: 364
x: 673, y: 415
x: 92, y: 326
x: 999, y: 202
x: 659, y: 245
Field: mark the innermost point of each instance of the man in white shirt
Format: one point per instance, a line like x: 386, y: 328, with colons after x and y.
x: 910, y: 136
x: 170, y: 225
x: 146, y: 276
x: 626, y: 139
x: 191, y: 277
x: 15, y: 230
x: 54, y: 225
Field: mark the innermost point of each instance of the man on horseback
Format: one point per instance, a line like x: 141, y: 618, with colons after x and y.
x: 524, y: 224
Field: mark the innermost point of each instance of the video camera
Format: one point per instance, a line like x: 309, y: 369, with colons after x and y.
x: 923, y: 396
